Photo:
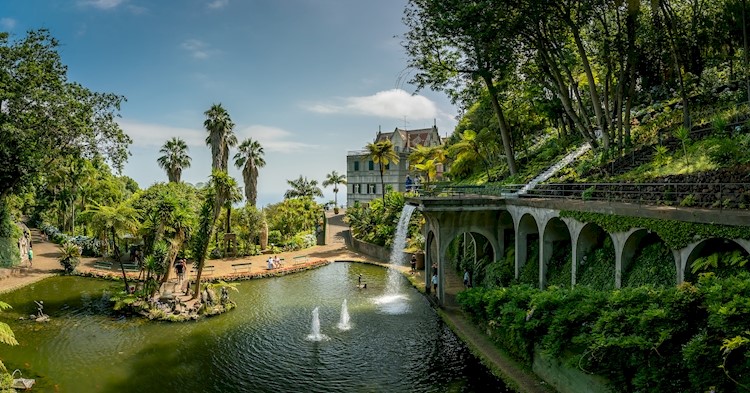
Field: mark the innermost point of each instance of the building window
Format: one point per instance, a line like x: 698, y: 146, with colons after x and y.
x: 370, y: 165
x: 356, y: 165
x: 355, y: 188
x: 371, y: 188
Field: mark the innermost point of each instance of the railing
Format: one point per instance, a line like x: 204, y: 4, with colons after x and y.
x: 448, y: 190
x: 702, y: 195
x: 707, y: 195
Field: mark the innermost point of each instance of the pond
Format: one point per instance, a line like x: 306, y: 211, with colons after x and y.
x: 394, y: 344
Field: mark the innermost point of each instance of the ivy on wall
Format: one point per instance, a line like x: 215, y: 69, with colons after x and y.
x: 676, y: 234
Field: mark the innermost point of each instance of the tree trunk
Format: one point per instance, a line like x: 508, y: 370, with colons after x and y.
x: 382, y: 182
x: 595, y: 100
x: 554, y: 73
x: 117, y: 257
x: 504, y: 132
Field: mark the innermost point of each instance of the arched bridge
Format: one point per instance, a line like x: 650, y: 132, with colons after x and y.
x: 512, y: 222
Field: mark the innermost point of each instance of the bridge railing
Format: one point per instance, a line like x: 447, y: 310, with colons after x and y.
x: 705, y: 195
x: 460, y: 191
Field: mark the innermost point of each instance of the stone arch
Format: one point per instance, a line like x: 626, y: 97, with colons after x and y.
x: 471, y: 250
x: 556, y: 253
x: 635, y: 241
x: 636, y: 270
x: 707, y: 247
x: 527, y: 233
x: 590, y: 236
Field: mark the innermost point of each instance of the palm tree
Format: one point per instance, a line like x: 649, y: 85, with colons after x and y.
x: 429, y: 168
x: 303, y: 188
x: 175, y: 158
x: 70, y: 255
x: 111, y: 221
x: 220, y: 135
x: 250, y: 158
x: 334, y: 179
x: 469, y: 148
x: 382, y: 153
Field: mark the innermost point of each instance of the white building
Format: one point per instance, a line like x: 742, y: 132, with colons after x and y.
x: 363, y: 174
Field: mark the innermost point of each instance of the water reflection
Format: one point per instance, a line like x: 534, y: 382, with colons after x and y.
x: 396, y: 345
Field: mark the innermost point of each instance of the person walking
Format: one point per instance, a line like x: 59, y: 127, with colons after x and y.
x: 179, y: 268
x: 434, y: 283
x: 413, y: 264
x: 467, y: 282
x: 31, y: 255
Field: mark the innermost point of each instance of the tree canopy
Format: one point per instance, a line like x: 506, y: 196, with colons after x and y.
x: 44, y: 116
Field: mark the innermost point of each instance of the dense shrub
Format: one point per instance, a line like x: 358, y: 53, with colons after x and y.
x: 643, y: 339
x: 654, y: 266
x: 597, y: 268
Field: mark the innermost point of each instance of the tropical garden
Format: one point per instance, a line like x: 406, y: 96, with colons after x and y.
x: 60, y: 164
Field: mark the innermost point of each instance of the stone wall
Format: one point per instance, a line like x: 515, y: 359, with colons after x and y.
x: 727, y: 188
x: 378, y: 252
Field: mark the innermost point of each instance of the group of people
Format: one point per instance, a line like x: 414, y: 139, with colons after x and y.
x: 273, y: 262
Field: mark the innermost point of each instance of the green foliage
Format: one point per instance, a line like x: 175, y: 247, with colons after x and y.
x: 676, y: 234
x: 10, y: 255
x: 292, y: 216
x: 70, y: 255
x: 6, y: 334
x: 719, y: 125
x: 46, y: 117
x: 376, y: 222
x: 654, y: 265
x: 724, y: 151
x: 685, y: 338
x: 597, y: 268
x: 723, y: 264
x: 530, y: 270
x: 560, y: 265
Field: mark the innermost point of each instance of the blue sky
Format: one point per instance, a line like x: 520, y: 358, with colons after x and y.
x: 308, y: 79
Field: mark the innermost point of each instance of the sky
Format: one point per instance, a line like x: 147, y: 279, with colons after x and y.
x: 308, y: 79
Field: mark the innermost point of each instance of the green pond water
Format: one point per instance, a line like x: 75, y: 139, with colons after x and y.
x: 395, y: 343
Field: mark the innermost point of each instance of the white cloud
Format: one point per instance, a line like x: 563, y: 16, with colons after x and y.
x: 272, y: 139
x: 145, y: 134
x: 216, y: 4
x: 7, y: 23
x: 394, y: 103
x: 197, y: 48
x: 101, y: 4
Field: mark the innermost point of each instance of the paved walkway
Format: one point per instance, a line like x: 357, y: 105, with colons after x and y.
x: 45, y: 264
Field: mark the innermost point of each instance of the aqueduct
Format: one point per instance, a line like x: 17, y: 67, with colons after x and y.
x: 539, y: 220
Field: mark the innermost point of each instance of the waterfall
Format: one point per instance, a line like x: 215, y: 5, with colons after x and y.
x: 344, y: 321
x: 397, y: 249
x: 554, y: 168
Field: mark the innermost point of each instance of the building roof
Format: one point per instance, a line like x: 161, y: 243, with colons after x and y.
x: 411, y: 138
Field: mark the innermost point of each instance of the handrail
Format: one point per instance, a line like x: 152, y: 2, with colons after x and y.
x: 704, y: 195
x: 709, y: 195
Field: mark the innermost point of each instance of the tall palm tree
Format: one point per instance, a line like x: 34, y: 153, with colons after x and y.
x: 220, y: 135
x: 303, y: 188
x: 382, y: 153
x: 334, y: 179
x: 175, y: 158
x: 250, y: 158
x: 112, y: 221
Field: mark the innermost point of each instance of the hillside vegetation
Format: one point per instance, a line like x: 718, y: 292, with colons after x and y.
x: 658, y: 88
